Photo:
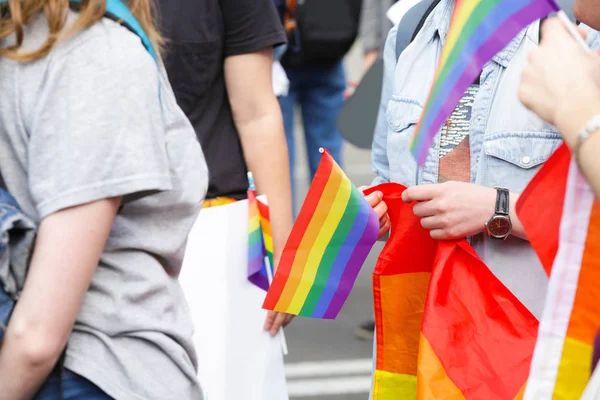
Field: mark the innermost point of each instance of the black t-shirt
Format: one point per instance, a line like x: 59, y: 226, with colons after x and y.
x: 200, y: 35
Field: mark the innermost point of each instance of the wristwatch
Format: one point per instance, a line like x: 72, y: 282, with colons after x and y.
x: 500, y: 225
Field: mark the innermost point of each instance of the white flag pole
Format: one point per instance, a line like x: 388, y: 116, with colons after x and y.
x: 572, y: 28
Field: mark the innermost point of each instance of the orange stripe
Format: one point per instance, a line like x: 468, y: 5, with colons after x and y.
x: 402, y: 318
x: 585, y: 317
x: 574, y: 369
x: 432, y: 380
x: 309, y: 237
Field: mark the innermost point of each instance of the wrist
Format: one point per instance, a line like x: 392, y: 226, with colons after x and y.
x: 571, y: 119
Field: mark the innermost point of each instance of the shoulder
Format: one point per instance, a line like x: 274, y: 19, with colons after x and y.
x: 105, y: 49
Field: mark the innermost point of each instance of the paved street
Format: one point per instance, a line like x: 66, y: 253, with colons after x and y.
x: 326, y: 361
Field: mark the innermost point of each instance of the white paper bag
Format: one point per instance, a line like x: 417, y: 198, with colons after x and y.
x: 237, y: 358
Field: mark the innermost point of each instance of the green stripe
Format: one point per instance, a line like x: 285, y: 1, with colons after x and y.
x: 255, y: 237
x: 478, y: 15
x: 331, y: 252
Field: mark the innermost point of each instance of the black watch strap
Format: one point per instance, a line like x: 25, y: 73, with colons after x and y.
x: 502, y: 201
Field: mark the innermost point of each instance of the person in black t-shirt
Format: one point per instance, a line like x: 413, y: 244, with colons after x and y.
x: 219, y: 59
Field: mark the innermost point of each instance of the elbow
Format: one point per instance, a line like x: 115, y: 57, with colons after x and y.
x: 38, y: 348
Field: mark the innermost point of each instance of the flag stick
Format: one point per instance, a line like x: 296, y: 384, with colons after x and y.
x: 270, y: 278
x: 572, y: 28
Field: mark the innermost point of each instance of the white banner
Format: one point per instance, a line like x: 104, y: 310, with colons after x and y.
x: 237, y: 358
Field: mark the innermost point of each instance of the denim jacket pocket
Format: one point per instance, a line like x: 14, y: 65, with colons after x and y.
x: 402, y: 116
x: 513, y: 158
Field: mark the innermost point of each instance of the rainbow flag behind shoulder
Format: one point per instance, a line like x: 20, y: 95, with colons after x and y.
x: 334, y: 232
x: 479, y: 29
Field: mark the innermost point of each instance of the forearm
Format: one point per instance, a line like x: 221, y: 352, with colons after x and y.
x: 265, y: 151
x: 67, y: 250
x: 257, y: 116
x: 517, y: 226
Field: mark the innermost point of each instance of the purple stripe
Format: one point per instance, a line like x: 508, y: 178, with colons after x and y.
x: 348, y: 261
x: 255, y: 265
x: 356, y: 262
x: 497, y: 30
x: 260, y: 279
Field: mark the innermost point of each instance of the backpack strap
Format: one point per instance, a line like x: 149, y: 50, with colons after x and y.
x: 118, y: 12
x: 412, y: 22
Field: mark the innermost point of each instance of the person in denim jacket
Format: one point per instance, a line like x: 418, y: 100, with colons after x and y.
x: 491, y: 140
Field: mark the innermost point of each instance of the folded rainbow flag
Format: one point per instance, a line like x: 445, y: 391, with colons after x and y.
x: 478, y: 30
x: 446, y: 327
x: 260, y: 243
x: 566, y: 236
x: 334, y: 232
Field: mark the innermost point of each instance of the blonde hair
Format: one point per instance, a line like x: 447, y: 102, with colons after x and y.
x: 21, y: 12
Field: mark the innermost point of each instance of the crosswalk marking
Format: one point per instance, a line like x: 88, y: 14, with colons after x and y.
x: 331, y: 377
x: 329, y: 368
x: 329, y: 386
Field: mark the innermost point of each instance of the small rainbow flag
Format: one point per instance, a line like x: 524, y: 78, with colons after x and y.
x: 260, y: 243
x: 478, y: 30
x: 334, y: 232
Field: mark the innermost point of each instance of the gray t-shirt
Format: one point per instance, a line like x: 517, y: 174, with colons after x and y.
x: 89, y: 122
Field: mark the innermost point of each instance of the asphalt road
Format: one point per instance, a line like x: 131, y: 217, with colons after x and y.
x: 326, y: 361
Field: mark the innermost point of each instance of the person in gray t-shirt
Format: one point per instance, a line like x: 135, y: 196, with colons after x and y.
x: 95, y: 149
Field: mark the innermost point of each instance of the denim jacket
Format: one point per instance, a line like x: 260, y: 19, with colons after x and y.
x: 508, y: 143
x: 17, y: 235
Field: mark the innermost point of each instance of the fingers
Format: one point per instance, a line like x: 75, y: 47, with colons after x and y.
x: 374, y: 198
x: 279, y: 320
x: 271, y: 315
x: 420, y: 193
x: 385, y: 225
x: 425, y: 209
x: 381, y: 209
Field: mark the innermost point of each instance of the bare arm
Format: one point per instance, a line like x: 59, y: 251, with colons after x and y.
x: 257, y: 116
x: 258, y: 119
x: 67, y: 251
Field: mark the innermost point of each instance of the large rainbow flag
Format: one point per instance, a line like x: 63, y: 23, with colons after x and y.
x: 446, y: 327
x: 334, y: 232
x: 569, y: 246
x: 479, y: 29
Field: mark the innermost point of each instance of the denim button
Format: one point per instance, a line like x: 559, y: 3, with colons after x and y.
x: 526, y: 160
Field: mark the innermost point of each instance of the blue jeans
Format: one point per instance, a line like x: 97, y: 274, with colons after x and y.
x: 73, y: 387
x: 319, y: 91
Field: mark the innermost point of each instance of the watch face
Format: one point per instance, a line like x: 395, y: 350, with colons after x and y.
x: 499, y: 226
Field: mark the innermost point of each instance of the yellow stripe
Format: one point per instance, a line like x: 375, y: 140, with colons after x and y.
x: 268, y: 242
x: 434, y: 382
x: 574, y: 370
x: 308, y: 239
x: 253, y: 224
x: 338, y: 207
x: 459, y: 19
x: 217, y: 201
x: 390, y: 386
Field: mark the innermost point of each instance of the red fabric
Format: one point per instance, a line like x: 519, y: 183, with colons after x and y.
x: 481, y: 333
x: 409, y: 250
x: 541, y: 205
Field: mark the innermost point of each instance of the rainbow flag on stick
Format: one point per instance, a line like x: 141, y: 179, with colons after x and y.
x: 260, y: 243
x: 334, y: 232
x: 479, y: 29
